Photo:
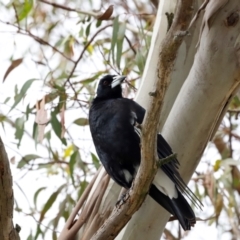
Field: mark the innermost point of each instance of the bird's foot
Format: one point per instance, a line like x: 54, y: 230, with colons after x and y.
x: 123, y: 199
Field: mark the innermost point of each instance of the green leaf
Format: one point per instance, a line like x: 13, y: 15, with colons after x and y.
x: 65, y: 215
x: 51, y: 96
x: 16, y: 90
x: 88, y: 18
x: 35, y: 133
x: 48, y: 135
x: 73, y: 160
x: 88, y: 29
x: 36, y: 195
x: 19, y: 129
x: 62, y: 207
x: 30, y: 237
x: 22, y: 93
x: 81, y: 121
x: 57, y: 128
x: 38, y: 232
x: 62, y: 100
x: 28, y: 111
x: 26, y: 159
x: 121, y: 34
x: 98, y: 23
x: 95, y: 161
x: 88, y: 80
x: 114, y: 37
x: 55, y: 155
x: 83, y: 185
x: 2, y: 118
x: 60, y: 42
x: 6, y: 100
x: 91, y: 79
x: 140, y: 60
x: 55, y: 124
x: 27, y: 7
x: 81, y: 32
x: 54, y: 235
x: 235, y: 103
x: 50, y: 202
x: 52, y: 26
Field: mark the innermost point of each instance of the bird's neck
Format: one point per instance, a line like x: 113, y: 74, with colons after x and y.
x: 102, y: 99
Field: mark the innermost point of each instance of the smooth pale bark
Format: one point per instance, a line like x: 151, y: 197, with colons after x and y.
x: 199, y: 107
x: 183, y: 64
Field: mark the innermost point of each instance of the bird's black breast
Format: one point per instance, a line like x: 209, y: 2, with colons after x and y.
x: 116, y: 142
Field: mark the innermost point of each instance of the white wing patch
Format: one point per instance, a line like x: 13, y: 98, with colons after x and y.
x: 165, y: 184
x: 133, y: 121
x: 138, y: 131
x: 127, y: 175
x: 133, y: 118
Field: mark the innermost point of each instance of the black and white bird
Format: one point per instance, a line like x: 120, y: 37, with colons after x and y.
x: 113, y: 123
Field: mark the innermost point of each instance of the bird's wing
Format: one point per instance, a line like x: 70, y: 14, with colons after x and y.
x: 171, y: 169
x: 164, y: 150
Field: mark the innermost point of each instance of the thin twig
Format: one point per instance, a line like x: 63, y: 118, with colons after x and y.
x: 108, y: 62
x: 130, y: 44
x: 234, y: 111
x: 230, y: 136
x: 81, y: 55
x: 56, y: 5
x: 130, y: 85
x: 93, y: 14
x: 16, y: 15
x: 37, y: 39
x: 169, y: 235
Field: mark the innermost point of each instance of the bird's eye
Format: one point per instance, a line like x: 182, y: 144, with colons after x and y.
x: 105, y: 83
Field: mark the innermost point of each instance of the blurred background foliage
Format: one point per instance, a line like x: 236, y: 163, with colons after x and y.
x: 54, y: 53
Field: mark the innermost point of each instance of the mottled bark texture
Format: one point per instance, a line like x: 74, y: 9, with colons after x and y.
x: 7, y: 230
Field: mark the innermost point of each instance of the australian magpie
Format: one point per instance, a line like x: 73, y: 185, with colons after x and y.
x: 114, y: 122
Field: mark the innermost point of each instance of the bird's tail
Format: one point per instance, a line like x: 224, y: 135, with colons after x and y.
x: 178, y: 207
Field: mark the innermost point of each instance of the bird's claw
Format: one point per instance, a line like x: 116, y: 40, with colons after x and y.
x: 123, y: 199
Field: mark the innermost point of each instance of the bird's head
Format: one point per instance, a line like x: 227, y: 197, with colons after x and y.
x: 110, y: 87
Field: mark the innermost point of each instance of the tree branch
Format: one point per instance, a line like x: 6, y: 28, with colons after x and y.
x: 37, y: 39
x: 93, y: 14
x: 83, y: 51
x: 80, y: 57
x: 7, y: 230
x: 165, y: 160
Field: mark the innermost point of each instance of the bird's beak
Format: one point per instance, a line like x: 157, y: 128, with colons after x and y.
x: 117, y: 81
